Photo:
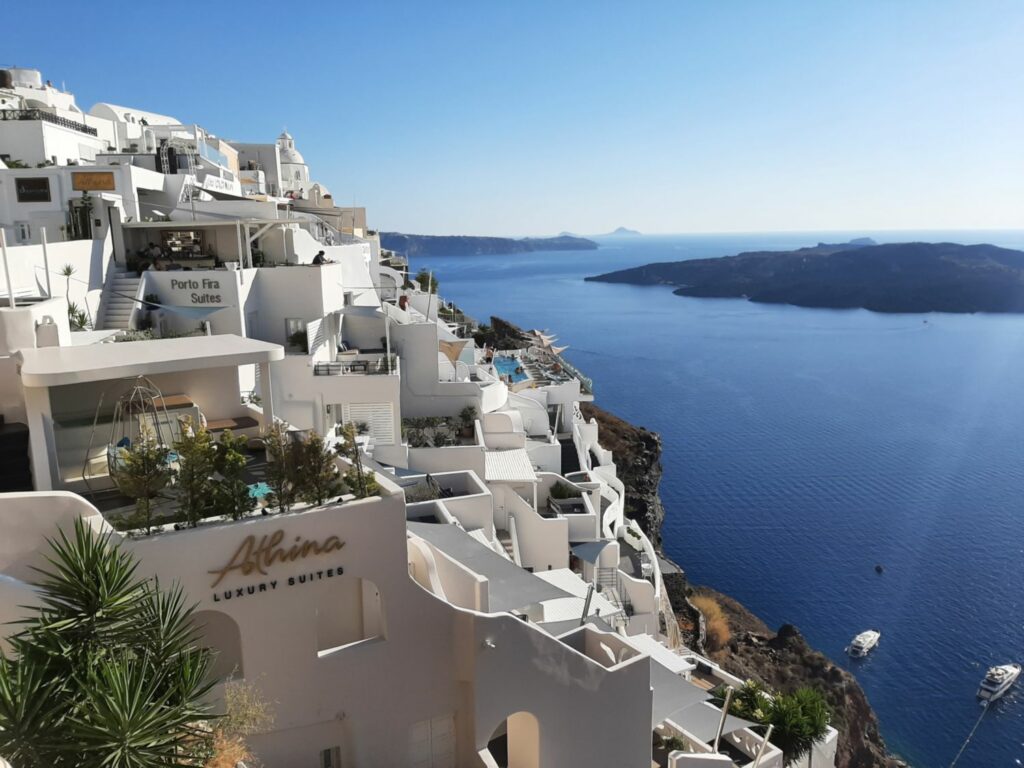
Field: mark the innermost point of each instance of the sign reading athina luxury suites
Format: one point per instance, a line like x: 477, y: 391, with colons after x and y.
x: 261, y: 555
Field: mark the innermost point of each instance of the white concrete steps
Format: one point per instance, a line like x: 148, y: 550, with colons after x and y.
x: 118, y: 300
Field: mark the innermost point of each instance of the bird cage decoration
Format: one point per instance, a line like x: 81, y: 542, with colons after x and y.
x: 139, y: 416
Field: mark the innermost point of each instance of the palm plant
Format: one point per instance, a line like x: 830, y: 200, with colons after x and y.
x: 107, y: 671
x: 801, y: 720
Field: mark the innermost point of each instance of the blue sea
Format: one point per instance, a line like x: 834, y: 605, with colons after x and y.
x: 803, y: 447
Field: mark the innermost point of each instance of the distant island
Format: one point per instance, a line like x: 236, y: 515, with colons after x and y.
x: 619, y: 232
x: 467, y: 245
x: 899, y: 277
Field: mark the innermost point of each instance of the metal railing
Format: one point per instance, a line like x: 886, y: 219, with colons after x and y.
x: 46, y: 117
x: 380, y: 367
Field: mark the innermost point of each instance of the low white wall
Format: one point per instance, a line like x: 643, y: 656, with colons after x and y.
x: 543, y: 542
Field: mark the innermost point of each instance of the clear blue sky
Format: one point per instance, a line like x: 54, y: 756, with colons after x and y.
x: 534, y: 117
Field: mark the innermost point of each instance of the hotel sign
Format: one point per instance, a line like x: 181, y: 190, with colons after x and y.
x: 260, y: 556
x: 93, y: 181
x: 197, y: 291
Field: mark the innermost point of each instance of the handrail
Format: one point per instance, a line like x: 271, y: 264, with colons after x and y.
x: 39, y: 114
x: 377, y: 367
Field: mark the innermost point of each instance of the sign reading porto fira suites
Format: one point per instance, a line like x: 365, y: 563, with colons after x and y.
x: 194, y: 291
x: 263, y: 556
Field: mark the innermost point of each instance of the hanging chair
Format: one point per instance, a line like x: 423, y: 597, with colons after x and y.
x: 139, y: 415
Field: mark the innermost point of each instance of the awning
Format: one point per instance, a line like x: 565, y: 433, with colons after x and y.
x: 701, y: 720
x: 57, y: 366
x: 589, y: 551
x: 673, y: 694
x: 452, y: 349
x: 512, y: 466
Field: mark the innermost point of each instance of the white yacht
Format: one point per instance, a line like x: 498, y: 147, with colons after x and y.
x: 998, y: 681
x: 864, y: 642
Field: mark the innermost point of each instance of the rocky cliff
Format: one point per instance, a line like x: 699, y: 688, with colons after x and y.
x: 895, y: 277
x: 637, y: 454
x: 465, y: 245
x: 782, y: 660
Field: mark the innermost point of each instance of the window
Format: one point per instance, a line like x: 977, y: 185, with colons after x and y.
x: 330, y: 758
x: 23, y: 231
x: 32, y: 190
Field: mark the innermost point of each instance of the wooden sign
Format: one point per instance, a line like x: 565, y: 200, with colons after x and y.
x: 93, y: 181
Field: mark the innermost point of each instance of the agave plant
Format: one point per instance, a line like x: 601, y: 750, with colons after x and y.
x: 801, y: 720
x: 107, y: 671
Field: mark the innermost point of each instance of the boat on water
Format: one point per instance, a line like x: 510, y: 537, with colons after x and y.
x: 863, y: 643
x: 997, y: 681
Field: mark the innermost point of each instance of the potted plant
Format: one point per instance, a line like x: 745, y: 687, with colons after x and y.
x: 467, y: 419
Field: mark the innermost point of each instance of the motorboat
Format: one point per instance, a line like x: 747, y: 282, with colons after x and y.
x: 863, y: 643
x: 998, y: 681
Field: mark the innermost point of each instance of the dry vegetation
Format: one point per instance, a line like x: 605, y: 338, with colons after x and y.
x: 717, y: 624
x: 246, y: 713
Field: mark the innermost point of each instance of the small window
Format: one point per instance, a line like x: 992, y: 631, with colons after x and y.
x: 23, y: 231
x: 347, y: 299
x: 330, y: 758
x: 32, y: 190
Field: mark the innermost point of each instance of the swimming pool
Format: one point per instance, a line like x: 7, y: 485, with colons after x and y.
x: 506, y: 366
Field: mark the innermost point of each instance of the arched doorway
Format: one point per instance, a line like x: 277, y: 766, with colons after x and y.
x: 219, y: 632
x: 516, y: 742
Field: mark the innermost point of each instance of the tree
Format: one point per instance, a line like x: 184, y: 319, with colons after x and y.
x: 280, y: 468
x: 231, y: 497
x: 143, y: 472
x: 361, y: 483
x: 195, y: 486
x: 317, y: 473
x: 427, y: 282
x: 107, y: 671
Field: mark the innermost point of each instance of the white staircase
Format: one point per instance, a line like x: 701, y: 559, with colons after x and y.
x: 119, y: 300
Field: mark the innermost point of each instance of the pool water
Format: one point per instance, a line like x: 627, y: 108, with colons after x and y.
x: 506, y: 366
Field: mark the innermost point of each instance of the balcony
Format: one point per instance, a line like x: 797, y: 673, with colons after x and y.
x: 379, y: 365
x: 46, y: 117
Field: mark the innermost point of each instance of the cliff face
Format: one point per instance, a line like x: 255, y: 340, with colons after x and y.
x: 895, y: 277
x: 784, y: 661
x: 637, y: 454
x: 781, y: 660
x: 463, y: 245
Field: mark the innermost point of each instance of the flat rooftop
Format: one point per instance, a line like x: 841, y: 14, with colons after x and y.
x: 56, y: 366
x: 509, y: 586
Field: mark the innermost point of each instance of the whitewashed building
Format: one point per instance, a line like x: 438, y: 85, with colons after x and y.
x: 492, y: 605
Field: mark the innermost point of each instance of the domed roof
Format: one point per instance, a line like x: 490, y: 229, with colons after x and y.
x: 285, y: 135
